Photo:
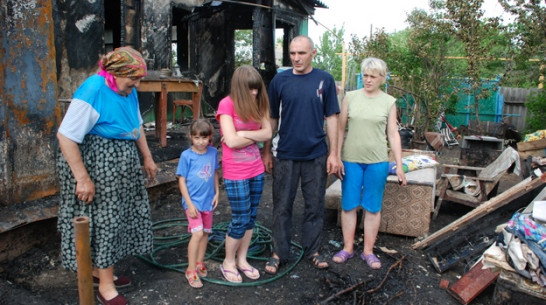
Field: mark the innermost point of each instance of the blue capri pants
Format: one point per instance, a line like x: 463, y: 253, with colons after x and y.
x: 244, y: 197
x: 364, y: 185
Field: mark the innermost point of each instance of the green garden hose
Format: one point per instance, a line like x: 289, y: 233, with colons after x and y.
x: 261, y: 241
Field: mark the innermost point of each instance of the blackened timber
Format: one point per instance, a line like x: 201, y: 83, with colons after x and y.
x: 130, y: 20
x: 157, y: 34
x: 214, y: 42
x: 84, y: 33
x: 263, y: 55
x: 485, y: 208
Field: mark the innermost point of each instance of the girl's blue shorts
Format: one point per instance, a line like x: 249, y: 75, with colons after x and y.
x: 364, y: 185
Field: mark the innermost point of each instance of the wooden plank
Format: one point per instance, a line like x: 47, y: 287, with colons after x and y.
x: 494, y: 203
x: 15, y: 242
x: 166, y: 173
x: 473, y: 168
x: 532, y: 145
x: 18, y: 215
x: 460, y: 247
x: 533, y: 152
x: 172, y: 85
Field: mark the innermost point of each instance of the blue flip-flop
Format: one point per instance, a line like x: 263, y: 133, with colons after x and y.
x: 343, y: 256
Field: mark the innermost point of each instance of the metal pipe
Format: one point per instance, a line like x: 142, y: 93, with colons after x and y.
x: 83, y: 259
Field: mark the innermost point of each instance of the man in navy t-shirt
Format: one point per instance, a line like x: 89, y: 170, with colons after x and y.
x: 301, y: 99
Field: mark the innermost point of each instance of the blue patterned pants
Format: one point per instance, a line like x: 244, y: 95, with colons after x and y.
x: 244, y: 198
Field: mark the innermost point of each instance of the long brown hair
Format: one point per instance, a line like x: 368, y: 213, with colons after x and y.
x: 247, y: 108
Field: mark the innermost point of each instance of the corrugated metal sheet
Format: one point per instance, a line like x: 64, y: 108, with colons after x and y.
x: 514, y: 105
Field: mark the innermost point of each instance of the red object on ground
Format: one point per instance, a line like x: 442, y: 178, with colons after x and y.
x: 444, y: 283
x: 472, y: 283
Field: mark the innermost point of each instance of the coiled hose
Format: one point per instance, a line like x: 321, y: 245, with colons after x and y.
x: 260, y: 242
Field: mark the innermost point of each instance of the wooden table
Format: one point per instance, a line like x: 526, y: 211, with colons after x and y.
x: 163, y: 86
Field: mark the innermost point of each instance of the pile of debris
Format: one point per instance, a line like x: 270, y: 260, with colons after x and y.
x: 513, y: 256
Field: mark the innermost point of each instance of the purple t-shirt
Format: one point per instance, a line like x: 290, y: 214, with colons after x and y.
x: 239, y: 163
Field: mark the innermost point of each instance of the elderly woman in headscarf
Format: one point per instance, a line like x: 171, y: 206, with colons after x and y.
x: 100, y: 171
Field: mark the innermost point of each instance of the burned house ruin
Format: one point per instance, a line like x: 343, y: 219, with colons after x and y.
x: 49, y: 47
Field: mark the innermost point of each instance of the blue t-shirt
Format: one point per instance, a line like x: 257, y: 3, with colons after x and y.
x: 97, y: 109
x: 199, y: 172
x: 301, y: 102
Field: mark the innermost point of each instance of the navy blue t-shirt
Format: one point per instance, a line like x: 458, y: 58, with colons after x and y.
x: 301, y: 103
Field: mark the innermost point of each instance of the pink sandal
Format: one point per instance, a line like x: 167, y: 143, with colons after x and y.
x: 193, y: 279
x: 201, y: 269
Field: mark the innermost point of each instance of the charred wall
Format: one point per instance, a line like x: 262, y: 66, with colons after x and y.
x: 214, y: 63
x: 79, y: 42
x: 28, y: 105
x: 49, y: 47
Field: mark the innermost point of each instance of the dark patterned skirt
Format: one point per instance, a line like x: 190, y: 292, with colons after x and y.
x: 120, y: 217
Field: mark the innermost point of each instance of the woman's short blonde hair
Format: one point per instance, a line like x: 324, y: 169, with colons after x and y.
x: 372, y: 64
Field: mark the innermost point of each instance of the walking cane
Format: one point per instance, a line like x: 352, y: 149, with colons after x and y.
x: 83, y: 258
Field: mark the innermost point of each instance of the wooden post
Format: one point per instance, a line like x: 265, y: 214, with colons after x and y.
x: 343, y: 67
x: 83, y: 258
x: 541, y: 77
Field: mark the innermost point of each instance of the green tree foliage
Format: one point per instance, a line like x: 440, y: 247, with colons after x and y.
x: 425, y: 69
x: 329, y: 49
x: 243, y: 47
x: 524, y: 70
x: 417, y: 63
x: 378, y: 45
x: 473, y: 31
x: 529, y: 35
x: 529, y: 27
x: 536, y: 105
x: 449, y: 43
x: 453, y: 41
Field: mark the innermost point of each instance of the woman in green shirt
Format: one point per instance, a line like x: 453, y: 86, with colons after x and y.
x: 371, y: 117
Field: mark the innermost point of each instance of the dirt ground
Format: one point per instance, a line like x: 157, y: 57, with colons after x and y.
x: 37, y: 277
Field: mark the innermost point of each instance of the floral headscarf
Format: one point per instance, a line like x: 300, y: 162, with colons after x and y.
x: 122, y: 62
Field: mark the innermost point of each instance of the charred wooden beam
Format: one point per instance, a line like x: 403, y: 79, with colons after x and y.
x: 263, y: 42
x: 156, y: 31
x: 84, y: 33
x: 485, y: 208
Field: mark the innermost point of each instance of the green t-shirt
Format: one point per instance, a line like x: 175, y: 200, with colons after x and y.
x: 366, y: 140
